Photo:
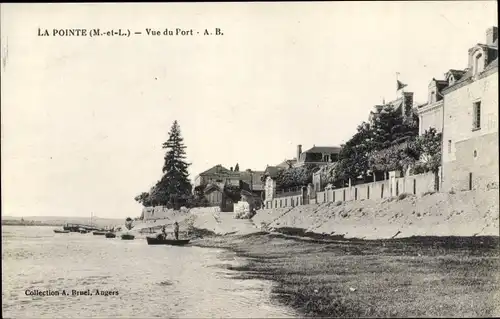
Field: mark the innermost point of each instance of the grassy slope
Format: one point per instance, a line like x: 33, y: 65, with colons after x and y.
x: 406, y: 277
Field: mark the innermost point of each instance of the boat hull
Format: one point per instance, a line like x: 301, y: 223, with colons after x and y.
x: 61, y: 231
x: 128, y: 237
x: 101, y: 233
x: 172, y: 242
x: 110, y: 235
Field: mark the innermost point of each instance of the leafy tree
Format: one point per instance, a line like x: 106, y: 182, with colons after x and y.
x: 390, y: 128
x: 232, y: 192
x: 395, y: 157
x: 198, y: 199
x: 353, y: 157
x: 237, y: 168
x: 174, y: 188
x: 328, y: 172
x: 374, y: 147
x: 144, y: 199
x: 295, y: 176
x: 429, y: 144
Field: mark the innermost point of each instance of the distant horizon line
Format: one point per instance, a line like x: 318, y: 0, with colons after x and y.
x: 52, y: 216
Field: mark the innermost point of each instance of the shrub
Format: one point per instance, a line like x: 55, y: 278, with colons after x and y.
x: 403, y: 196
x: 295, y: 176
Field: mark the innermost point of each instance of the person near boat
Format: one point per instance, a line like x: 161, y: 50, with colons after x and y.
x: 164, y: 232
x: 176, y: 230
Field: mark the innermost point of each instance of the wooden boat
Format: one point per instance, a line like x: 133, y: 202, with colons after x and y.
x: 161, y: 241
x: 110, y: 235
x: 84, y: 231
x: 58, y: 231
x: 102, y: 233
x: 127, y: 237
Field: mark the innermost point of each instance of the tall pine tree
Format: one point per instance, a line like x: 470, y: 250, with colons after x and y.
x: 174, y: 188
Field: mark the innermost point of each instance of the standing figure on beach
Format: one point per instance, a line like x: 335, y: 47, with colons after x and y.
x: 176, y: 230
x: 164, y: 232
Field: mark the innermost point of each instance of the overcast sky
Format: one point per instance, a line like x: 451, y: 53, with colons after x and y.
x: 83, y: 119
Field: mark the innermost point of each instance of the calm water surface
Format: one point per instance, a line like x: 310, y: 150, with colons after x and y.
x: 151, y: 281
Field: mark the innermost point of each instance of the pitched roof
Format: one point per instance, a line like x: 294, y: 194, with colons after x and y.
x: 254, y: 177
x: 216, y: 169
x: 468, y: 74
x: 457, y: 74
x: 272, y: 171
x: 214, y: 187
x: 284, y: 164
x: 323, y: 149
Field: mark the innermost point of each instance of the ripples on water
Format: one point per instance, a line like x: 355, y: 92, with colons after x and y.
x: 151, y: 281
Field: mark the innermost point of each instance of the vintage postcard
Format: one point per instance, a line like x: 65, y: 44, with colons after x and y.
x: 250, y: 160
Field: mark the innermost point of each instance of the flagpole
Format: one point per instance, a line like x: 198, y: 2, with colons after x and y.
x: 403, y: 107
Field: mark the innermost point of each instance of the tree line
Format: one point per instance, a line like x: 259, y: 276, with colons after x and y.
x: 390, y: 142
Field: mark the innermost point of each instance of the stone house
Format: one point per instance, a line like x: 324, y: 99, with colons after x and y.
x: 218, y: 174
x: 318, y: 155
x: 470, y: 121
x: 252, y: 181
x: 430, y: 114
x: 217, y: 197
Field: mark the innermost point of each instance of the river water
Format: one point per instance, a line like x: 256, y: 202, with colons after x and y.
x: 141, y: 281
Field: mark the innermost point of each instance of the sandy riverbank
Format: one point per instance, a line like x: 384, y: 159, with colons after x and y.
x: 425, y: 276
x: 468, y: 213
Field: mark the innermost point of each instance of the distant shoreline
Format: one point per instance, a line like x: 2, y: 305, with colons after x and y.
x: 17, y: 223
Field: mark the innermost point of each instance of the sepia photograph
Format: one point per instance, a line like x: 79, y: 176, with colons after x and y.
x: 250, y: 159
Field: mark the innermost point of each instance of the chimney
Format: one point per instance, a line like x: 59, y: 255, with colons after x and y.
x: 299, y: 151
x: 492, y: 36
x: 231, y: 168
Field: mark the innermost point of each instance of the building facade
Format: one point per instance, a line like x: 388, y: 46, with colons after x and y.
x: 218, y: 174
x: 430, y: 114
x: 470, y: 121
x: 319, y: 155
x: 216, y: 195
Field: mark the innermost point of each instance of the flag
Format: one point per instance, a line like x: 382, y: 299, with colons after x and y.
x: 401, y: 85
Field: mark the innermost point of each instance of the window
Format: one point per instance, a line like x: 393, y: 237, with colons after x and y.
x: 449, y: 146
x: 451, y: 80
x: 433, y: 97
x: 476, y: 116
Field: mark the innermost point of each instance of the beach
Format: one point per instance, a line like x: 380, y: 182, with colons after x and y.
x: 418, y: 276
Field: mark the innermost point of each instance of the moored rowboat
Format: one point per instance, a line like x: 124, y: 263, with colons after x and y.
x: 99, y: 233
x: 110, y: 235
x: 127, y: 237
x: 58, y: 231
x: 161, y: 241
